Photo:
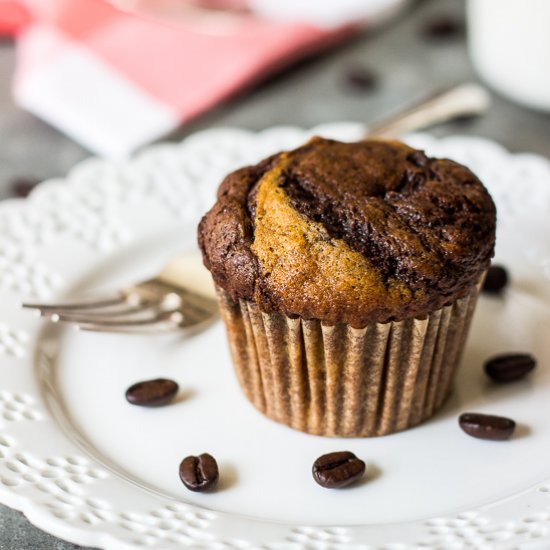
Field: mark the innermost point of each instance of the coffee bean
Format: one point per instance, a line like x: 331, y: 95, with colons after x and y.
x: 152, y: 393
x: 442, y: 28
x: 337, y: 469
x: 361, y: 79
x: 487, y: 426
x: 199, y: 473
x: 509, y: 367
x: 464, y: 120
x: 22, y: 186
x: 495, y: 280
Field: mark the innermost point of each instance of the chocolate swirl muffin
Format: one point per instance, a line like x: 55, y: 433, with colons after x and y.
x: 347, y: 237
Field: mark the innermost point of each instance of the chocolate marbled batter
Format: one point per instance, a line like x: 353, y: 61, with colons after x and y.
x: 349, y: 232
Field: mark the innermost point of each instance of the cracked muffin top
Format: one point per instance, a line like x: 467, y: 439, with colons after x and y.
x: 351, y: 233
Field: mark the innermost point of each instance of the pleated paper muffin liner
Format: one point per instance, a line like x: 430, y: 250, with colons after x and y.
x: 342, y: 381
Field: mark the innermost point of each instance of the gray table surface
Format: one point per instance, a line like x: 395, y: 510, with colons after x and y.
x: 311, y: 93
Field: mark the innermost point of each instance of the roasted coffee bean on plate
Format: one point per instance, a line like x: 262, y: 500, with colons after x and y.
x: 509, y: 367
x: 442, y: 28
x: 338, y: 469
x: 361, y: 79
x: 496, y: 280
x: 22, y: 186
x: 487, y: 426
x: 199, y: 473
x: 152, y: 393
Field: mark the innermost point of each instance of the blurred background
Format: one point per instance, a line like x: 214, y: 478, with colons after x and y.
x: 93, y: 77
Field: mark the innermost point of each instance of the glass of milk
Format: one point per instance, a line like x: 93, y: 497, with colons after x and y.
x: 509, y: 43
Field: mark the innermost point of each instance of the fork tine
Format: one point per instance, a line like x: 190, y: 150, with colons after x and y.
x: 161, y: 322
x: 73, y: 306
x: 100, y: 316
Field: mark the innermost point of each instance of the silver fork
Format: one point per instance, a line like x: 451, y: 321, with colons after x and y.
x: 182, y: 295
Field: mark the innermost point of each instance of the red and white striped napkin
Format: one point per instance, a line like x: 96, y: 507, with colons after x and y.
x: 115, y: 79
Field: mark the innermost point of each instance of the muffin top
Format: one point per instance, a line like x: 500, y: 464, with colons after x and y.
x: 351, y: 233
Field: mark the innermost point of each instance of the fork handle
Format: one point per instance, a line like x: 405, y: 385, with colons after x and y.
x: 459, y: 101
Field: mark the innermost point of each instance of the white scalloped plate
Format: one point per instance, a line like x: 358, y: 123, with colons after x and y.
x: 86, y: 466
